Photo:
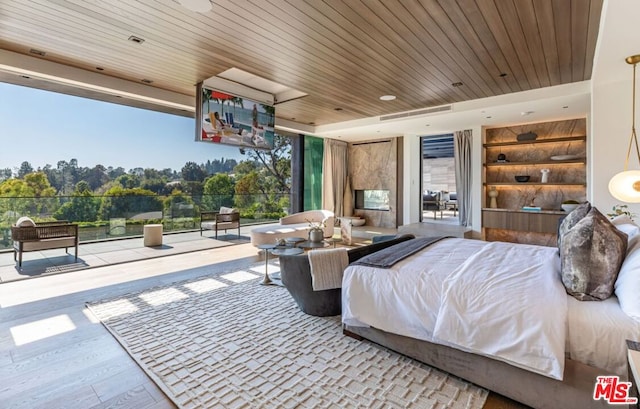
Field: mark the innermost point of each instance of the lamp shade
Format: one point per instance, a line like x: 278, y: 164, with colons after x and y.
x: 625, y: 186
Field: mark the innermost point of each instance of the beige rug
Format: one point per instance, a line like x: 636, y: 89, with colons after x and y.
x: 227, y: 342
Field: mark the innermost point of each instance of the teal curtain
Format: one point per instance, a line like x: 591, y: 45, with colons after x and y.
x: 313, y: 156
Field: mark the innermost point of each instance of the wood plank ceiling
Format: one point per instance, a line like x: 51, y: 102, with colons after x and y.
x: 344, y: 54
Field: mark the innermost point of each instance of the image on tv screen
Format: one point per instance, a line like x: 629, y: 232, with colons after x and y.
x: 232, y: 120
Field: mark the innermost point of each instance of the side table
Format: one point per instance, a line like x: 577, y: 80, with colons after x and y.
x: 276, y: 251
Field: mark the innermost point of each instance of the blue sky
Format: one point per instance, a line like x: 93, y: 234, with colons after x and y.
x: 44, y: 127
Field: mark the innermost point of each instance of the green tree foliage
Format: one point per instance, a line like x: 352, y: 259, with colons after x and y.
x: 24, y: 170
x: 82, y: 207
x: 192, y: 172
x: 32, y: 195
x: 247, y: 189
x: 5, y: 174
x: 121, y: 202
x: 277, y: 164
x: 178, y: 204
x: 128, y: 181
x: 218, y: 192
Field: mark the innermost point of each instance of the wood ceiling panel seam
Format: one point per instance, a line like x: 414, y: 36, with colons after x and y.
x: 515, y: 34
x: 499, y: 33
x: 476, y: 54
x: 547, y: 30
x: 354, y: 52
x: 456, y: 73
x: 439, y: 78
x: 349, y: 27
x: 579, y: 28
x: 562, y: 22
x: 529, y: 24
x: 595, y: 10
x: 476, y: 19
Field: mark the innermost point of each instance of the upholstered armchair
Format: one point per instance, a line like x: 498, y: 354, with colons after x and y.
x: 433, y: 202
x: 226, y: 218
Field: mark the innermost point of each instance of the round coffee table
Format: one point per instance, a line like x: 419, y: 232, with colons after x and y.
x: 266, y: 248
x: 307, y: 245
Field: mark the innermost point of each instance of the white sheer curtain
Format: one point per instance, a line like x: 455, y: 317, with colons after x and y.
x: 334, y: 175
x: 462, y: 158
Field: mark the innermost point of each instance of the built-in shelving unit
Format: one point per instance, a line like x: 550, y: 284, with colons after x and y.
x: 505, y: 158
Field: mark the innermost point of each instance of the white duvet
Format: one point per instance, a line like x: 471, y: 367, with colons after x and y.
x: 494, y: 299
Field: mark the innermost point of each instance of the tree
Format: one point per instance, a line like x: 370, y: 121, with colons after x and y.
x: 32, y: 195
x: 277, y: 162
x: 25, y: 169
x: 121, y: 202
x: 83, y: 206
x: 128, y: 181
x: 96, y: 177
x: 5, y: 174
x: 218, y: 192
x: 192, y: 172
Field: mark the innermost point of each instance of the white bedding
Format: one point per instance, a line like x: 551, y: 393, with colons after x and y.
x: 408, y: 303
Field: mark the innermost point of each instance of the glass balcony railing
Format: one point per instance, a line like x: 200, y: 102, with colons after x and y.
x: 114, y: 217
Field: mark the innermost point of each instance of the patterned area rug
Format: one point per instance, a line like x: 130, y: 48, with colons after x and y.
x: 225, y: 341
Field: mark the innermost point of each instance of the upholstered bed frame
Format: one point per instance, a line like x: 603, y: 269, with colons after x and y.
x: 538, y: 391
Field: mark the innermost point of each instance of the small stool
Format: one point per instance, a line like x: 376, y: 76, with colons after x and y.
x: 152, y: 235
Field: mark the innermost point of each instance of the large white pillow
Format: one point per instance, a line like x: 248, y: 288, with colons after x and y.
x: 627, y: 285
x: 25, y: 221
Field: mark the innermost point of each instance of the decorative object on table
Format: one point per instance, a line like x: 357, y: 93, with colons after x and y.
x: 522, y: 178
x: 569, y: 205
x: 527, y: 137
x: 531, y: 208
x: 545, y: 175
x: 502, y: 158
x: 347, y: 198
x: 625, y: 186
x: 565, y: 157
x: 619, y: 210
x: 316, y: 230
x: 493, y: 194
x: 281, y: 242
x: 346, y: 224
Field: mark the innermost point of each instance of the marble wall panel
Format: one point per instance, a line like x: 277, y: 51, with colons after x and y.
x: 373, y: 165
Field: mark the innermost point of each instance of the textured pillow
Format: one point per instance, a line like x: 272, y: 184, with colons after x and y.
x: 25, y: 221
x: 627, y: 286
x: 571, y: 219
x: 591, y: 254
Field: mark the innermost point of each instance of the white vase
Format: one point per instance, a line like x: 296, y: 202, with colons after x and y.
x: 316, y: 236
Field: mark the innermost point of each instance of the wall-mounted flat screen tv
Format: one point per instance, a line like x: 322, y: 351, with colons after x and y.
x: 233, y: 120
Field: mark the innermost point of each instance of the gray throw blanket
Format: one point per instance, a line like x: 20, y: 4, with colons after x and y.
x: 386, y: 258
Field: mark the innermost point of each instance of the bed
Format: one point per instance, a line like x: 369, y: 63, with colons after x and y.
x: 495, y: 314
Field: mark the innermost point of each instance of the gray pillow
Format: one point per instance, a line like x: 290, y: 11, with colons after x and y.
x: 571, y: 219
x: 591, y: 254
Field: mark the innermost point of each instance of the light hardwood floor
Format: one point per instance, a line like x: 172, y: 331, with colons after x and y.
x: 53, y: 354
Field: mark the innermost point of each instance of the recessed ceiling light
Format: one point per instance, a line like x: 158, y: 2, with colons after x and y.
x: 387, y: 97
x: 99, y: 68
x: 488, y: 117
x: 427, y: 125
x: 566, y: 106
x: 312, y: 123
x: 503, y: 74
x: 26, y: 77
x: 457, y: 84
x: 146, y: 81
x: 337, y: 109
x: 525, y: 113
x: 136, y: 40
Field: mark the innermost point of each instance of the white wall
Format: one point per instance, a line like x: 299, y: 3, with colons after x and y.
x: 610, y: 133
